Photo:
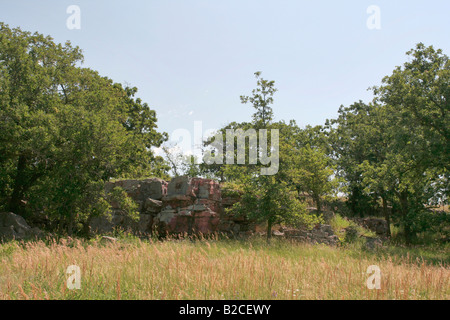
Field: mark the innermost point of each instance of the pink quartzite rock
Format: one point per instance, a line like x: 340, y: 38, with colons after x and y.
x: 177, y: 201
x: 195, y: 188
x: 180, y: 186
x: 211, y: 204
x: 183, y: 205
x: 206, y: 222
x: 186, y: 221
x: 151, y: 206
x: 206, y: 189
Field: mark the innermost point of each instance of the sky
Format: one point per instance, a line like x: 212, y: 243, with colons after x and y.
x: 191, y: 60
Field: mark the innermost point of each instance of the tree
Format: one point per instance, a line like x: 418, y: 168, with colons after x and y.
x: 396, y: 148
x: 65, y: 130
x: 266, y: 199
x: 261, y: 99
x: 420, y: 92
x: 316, y: 174
x: 181, y: 164
x: 274, y: 198
x: 305, y: 163
x: 222, y: 171
x: 351, y: 137
x: 416, y: 99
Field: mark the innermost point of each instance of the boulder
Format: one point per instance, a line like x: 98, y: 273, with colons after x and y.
x: 106, y: 239
x: 145, y: 223
x: 206, y: 221
x: 13, y: 226
x: 208, y: 203
x: 183, y: 205
x: 180, y: 186
x: 153, y: 188
x: 377, y: 225
x: 373, y: 243
x: 177, y: 201
x: 140, y: 190
x: 101, y: 225
x: 321, y: 233
x: 152, y: 206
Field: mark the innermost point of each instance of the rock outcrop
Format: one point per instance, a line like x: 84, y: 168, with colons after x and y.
x: 379, y: 226
x: 146, y: 193
x: 14, y: 227
x: 321, y: 233
x: 182, y: 206
x: 191, y: 206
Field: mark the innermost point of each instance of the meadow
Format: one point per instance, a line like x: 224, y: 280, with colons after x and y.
x: 131, y: 268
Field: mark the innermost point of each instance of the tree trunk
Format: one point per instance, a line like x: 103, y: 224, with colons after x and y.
x: 404, y: 210
x: 386, y: 216
x: 269, y: 230
x: 355, y: 202
x: 318, y: 204
x: 87, y: 227
x: 17, y: 193
x: 71, y: 223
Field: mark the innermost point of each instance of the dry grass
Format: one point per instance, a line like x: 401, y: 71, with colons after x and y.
x: 210, y: 270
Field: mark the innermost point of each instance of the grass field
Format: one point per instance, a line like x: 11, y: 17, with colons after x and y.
x: 225, y: 269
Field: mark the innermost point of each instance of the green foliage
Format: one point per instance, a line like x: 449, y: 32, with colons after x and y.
x: 261, y: 99
x: 230, y: 189
x: 420, y: 93
x: 348, y: 230
x: 65, y: 130
x: 124, y: 202
x: 396, y: 148
x: 266, y: 199
x: 226, y: 172
x: 316, y: 174
x: 274, y: 199
x: 305, y: 164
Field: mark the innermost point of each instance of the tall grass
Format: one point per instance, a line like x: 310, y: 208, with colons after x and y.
x: 210, y: 270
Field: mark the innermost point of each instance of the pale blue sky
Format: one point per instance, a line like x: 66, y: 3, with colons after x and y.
x: 191, y: 60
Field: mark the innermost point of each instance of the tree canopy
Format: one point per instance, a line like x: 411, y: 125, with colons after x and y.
x: 396, y: 147
x: 65, y: 130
